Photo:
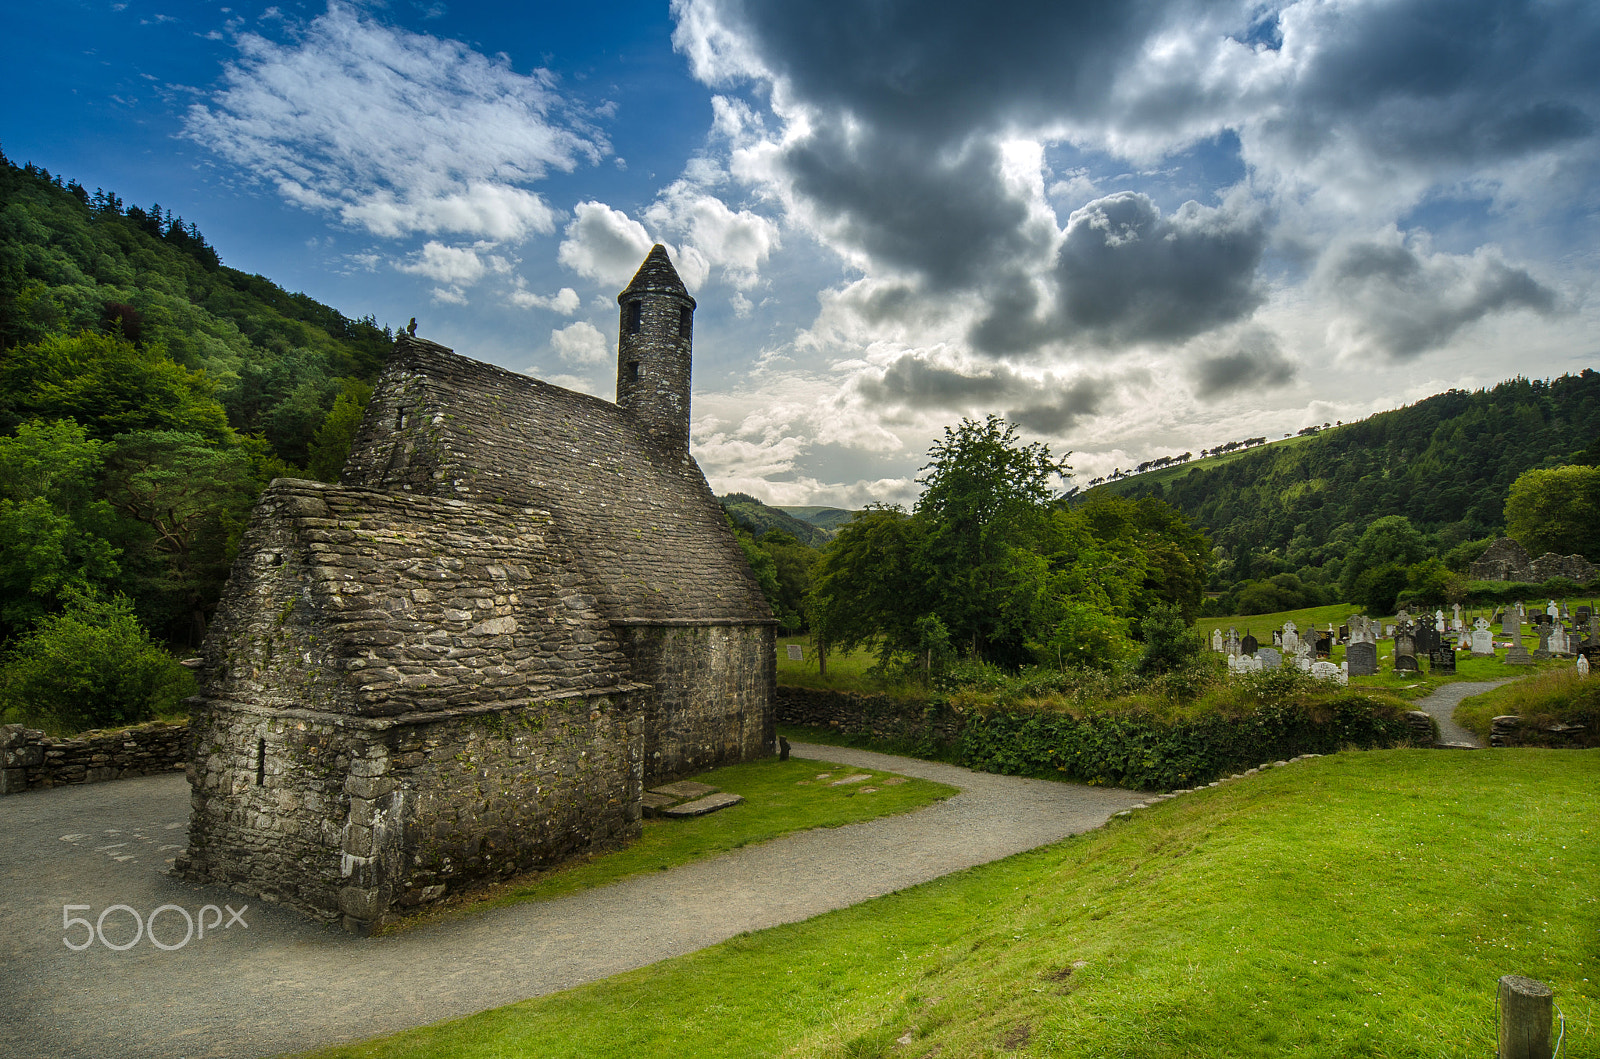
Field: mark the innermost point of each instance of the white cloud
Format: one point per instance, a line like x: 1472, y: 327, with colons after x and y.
x: 564, y: 301
x: 581, y: 343
x: 737, y: 242
x: 395, y: 132
x: 604, y: 244
x: 459, y: 266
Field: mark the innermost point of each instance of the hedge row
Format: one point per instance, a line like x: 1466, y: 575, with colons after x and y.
x: 1124, y: 750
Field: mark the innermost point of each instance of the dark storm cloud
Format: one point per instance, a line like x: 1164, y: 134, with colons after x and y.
x: 1061, y: 411
x: 1441, y: 81
x: 1126, y: 274
x: 1047, y: 407
x: 1403, y: 301
x: 1254, y: 362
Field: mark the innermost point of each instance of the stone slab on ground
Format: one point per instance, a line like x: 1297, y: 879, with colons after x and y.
x: 849, y: 779
x: 701, y: 806
x: 684, y: 789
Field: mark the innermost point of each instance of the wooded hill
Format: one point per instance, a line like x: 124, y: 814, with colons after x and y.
x: 759, y: 518
x: 1446, y: 463
x: 147, y: 393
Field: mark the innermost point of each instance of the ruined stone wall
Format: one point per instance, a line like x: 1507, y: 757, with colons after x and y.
x: 710, y: 696
x: 1572, y: 567
x: 362, y: 819
x: 29, y: 759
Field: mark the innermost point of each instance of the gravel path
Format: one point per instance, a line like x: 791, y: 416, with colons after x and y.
x: 1441, y: 706
x: 277, y: 983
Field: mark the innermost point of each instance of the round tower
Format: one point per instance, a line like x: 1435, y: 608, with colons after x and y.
x: 653, y: 350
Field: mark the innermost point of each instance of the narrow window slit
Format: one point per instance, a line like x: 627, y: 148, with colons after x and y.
x: 261, y: 762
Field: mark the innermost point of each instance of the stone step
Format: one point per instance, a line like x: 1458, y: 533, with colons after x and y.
x: 701, y: 806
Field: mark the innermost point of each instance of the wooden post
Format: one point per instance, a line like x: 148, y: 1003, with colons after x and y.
x: 1524, y: 1018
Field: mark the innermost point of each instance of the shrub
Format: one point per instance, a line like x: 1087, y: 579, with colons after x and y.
x: 91, y: 666
x: 1169, y: 642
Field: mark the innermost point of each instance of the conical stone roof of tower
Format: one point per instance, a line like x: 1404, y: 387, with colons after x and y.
x: 656, y: 276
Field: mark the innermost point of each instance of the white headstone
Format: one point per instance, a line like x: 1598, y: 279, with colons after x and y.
x: 1583, y: 665
x: 1291, y: 638
x: 1216, y: 640
x: 1482, y: 638
x: 796, y: 653
x: 1328, y: 671
x: 1438, y: 621
x: 1553, y: 609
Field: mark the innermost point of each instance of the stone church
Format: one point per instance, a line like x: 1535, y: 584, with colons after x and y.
x: 519, y: 607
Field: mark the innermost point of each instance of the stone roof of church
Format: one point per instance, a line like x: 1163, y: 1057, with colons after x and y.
x: 649, y: 535
x: 656, y: 276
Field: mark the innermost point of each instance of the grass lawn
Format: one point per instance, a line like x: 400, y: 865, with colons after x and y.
x: 780, y: 797
x: 1357, y: 904
x: 1561, y: 695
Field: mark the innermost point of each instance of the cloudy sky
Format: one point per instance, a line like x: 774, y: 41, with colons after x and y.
x: 1134, y: 228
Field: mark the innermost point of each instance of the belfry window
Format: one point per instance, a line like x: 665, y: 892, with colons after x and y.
x: 635, y: 316
x: 685, y: 320
x: 633, y: 371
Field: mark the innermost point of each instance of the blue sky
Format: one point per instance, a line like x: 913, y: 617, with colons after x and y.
x: 1134, y: 229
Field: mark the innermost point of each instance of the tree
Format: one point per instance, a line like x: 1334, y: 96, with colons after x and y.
x: 1391, y: 541
x: 331, y: 446
x: 984, y: 503
x: 92, y: 665
x: 1556, y: 510
x: 870, y: 584
x: 55, y: 536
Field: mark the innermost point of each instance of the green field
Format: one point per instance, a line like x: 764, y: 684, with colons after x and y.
x: 1353, y: 905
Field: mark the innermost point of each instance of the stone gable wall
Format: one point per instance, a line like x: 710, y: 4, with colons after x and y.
x: 709, y: 686
x: 354, y: 601
x: 30, y: 759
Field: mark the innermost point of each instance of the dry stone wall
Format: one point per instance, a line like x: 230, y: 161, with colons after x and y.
x: 30, y: 759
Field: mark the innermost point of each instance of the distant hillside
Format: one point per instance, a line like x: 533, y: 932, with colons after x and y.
x: 74, y: 261
x: 828, y: 518
x: 1446, y: 463
x: 760, y: 518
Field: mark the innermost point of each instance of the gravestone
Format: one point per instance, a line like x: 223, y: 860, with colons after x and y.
x: 1456, y: 622
x: 1442, y: 659
x: 1517, y: 655
x: 1277, y: 637
x: 1344, y: 634
x: 1482, y: 638
x: 1269, y: 657
x: 1560, y: 643
x: 1231, y: 644
x: 1583, y: 666
x: 1248, y: 645
x: 1324, y: 644
x: 1554, y: 609
x: 1362, y: 658
x: 1291, y: 638
x: 1511, y: 625
x: 1581, y: 614
x: 796, y: 653
x: 1216, y: 640
x: 1405, y: 650
x: 1438, y: 621
x: 1328, y: 671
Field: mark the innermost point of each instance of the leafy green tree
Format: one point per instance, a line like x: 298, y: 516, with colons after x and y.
x: 984, y: 503
x: 1389, y: 542
x: 870, y: 586
x: 1556, y: 510
x: 108, y: 385
x: 1083, y: 637
x: 1169, y: 641
x: 192, y: 500
x: 331, y: 446
x: 55, y: 536
x: 92, y: 665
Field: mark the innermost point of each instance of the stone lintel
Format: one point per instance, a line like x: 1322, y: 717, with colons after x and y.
x: 689, y: 623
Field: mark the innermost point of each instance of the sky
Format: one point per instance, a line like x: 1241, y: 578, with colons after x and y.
x: 1133, y: 229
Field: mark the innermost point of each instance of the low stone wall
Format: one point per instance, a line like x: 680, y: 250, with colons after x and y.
x: 878, y: 716
x: 1511, y: 730
x: 29, y: 759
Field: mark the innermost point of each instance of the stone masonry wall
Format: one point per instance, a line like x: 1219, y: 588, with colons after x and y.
x: 359, y: 820
x: 709, y: 689
x: 29, y: 759
x: 877, y: 716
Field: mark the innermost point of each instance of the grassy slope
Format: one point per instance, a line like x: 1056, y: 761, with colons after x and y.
x: 1360, y: 904
x: 1167, y: 474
